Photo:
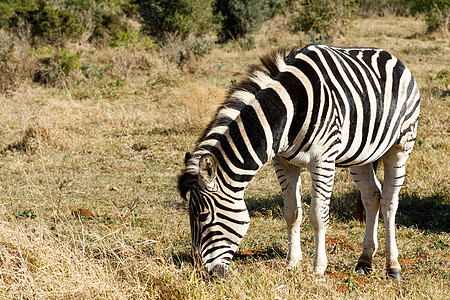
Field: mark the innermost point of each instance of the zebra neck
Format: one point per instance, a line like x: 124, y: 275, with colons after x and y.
x: 238, y: 156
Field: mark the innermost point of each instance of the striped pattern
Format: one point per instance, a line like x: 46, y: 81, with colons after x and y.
x: 319, y: 107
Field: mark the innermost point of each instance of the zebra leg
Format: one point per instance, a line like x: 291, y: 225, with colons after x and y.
x: 368, y: 184
x: 394, y: 175
x: 322, y: 176
x: 289, y: 178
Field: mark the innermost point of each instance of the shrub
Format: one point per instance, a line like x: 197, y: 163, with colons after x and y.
x: 107, y: 26
x: 45, y: 24
x: 323, y: 19
x: 6, y: 52
x: 437, y: 13
x: 124, y: 39
x: 200, y: 47
x: 436, y: 19
x: 182, y: 17
x: 180, y: 51
x: 89, y: 20
x: 56, y: 68
x: 241, y: 17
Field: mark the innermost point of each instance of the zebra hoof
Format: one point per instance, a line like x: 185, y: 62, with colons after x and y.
x: 395, y: 274
x: 363, y: 268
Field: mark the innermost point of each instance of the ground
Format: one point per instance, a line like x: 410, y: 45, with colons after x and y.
x: 88, y: 199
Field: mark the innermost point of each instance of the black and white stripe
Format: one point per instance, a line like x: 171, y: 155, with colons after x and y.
x: 318, y: 107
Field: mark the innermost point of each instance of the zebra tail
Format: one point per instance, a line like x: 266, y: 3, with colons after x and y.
x: 359, y: 207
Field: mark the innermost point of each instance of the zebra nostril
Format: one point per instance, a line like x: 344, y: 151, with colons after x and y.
x: 219, y: 270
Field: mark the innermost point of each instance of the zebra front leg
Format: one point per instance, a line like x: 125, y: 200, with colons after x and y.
x: 289, y: 179
x: 368, y: 184
x: 322, y: 176
x: 394, y: 175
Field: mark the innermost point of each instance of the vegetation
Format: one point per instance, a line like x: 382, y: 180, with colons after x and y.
x: 93, y: 131
x: 437, y: 13
x: 45, y: 24
x: 180, y: 17
x: 62, y: 21
x: 241, y: 17
x: 322, y: 19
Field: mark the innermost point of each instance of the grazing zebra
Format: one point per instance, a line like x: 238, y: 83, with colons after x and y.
x: 319, y: 107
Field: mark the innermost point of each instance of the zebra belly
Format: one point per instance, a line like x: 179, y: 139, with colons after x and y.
x: 360, y: 156
x: 367, y: 155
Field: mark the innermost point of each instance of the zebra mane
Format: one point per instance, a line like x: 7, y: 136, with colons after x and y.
x: 188, y: 178
x: 186, y: 181
x: 249, y: 84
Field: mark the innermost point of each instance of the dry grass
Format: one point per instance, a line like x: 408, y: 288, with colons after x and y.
x: 89, y: 208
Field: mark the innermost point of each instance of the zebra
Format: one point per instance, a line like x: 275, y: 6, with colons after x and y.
x: 318, y: 107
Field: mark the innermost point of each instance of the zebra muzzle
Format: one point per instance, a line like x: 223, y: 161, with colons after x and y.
x: 220, y: 270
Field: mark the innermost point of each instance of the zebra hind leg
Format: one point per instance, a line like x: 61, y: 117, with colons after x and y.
x: 289, y: 179
x: 370, y: 188
x: 394, y: 175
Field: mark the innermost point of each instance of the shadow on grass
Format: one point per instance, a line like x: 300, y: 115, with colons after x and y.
x: 182, y: 258
x: 429, y: 213
x: 271, y: 252
x: 270, y: 206
x: 342, y: 206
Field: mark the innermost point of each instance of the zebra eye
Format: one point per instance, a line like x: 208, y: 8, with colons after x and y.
x: 203, y: 216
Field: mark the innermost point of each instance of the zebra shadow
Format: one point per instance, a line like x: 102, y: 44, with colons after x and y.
x: 182, y: 258
x: 429, y: 213
x: 342, y: 206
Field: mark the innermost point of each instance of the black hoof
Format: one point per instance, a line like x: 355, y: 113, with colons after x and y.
x: 395, y: 274
x: 363, y: 268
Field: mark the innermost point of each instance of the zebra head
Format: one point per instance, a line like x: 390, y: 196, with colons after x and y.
x: 218, y: 220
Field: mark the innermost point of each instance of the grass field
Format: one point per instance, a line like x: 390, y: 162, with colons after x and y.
x: 88, y: 201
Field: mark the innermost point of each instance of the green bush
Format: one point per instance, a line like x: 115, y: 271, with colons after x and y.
x: 436, y: 19
x: 58, y: 21
x: 54, y: 69
x: 182, y: 17
x: 102, y: 20
x: 8, y: 7
x: 201, y: 47
x: 241, y: 17
x: 6, y: 11
x: 107, y: 27
x: 45, y: 25
x: 437, y: 13
x: 323, y: 19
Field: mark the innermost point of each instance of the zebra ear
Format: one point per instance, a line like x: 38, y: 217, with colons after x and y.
x: 207, y: 168
x: 187, y: 156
